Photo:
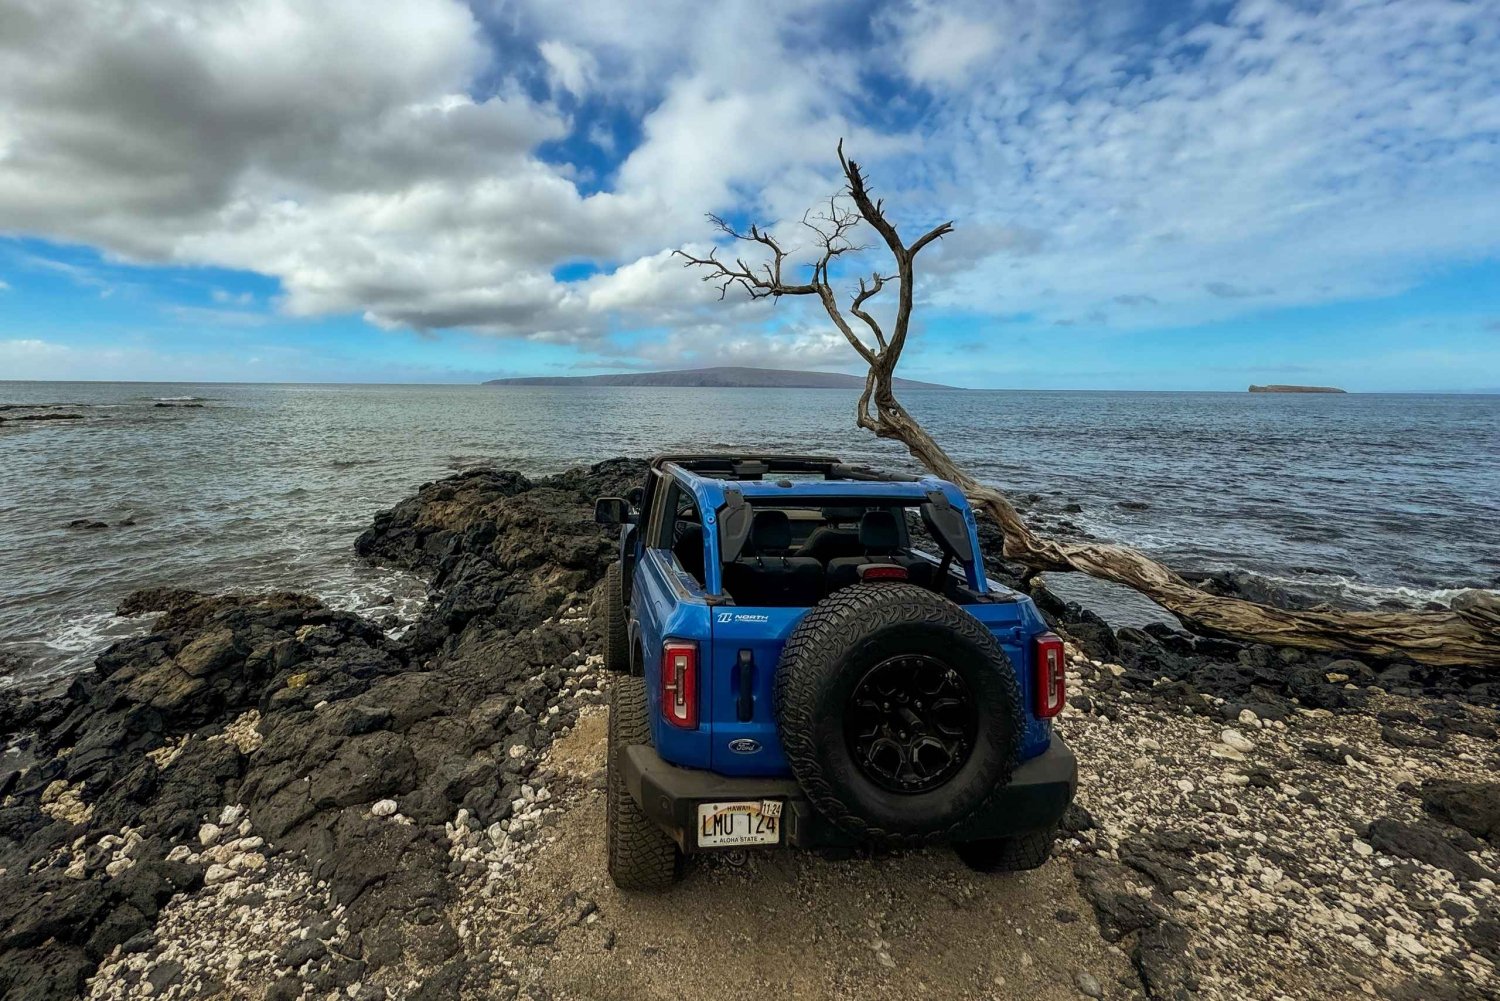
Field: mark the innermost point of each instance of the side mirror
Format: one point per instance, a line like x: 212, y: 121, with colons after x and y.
x: 612, y: 511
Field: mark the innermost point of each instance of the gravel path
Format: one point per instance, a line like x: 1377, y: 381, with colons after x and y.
x: 783, y: 924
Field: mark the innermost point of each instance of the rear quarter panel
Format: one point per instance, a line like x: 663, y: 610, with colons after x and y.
x: 1015, y: 624
x: 667, y: 603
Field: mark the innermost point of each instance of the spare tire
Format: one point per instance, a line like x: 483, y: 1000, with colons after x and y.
x: 900, y: 715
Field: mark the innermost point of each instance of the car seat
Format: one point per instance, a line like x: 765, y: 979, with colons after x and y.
x: 767, y: 575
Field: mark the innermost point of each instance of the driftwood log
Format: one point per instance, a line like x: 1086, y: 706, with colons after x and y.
x: 1468, y: 634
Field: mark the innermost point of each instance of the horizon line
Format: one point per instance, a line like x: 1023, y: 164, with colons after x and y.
x: 1486, y: 391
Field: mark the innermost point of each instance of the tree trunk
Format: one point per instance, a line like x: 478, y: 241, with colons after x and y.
x: 1467, y: 635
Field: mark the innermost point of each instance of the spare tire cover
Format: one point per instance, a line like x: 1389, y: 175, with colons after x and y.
x: 899, y: 713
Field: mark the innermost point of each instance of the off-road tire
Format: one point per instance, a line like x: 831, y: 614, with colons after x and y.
x: 835, y: 643
x: 616, y: 628
x: 640, y: 855
x: 1013, y: 854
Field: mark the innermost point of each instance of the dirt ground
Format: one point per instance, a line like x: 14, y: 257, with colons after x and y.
x: 792, y: 925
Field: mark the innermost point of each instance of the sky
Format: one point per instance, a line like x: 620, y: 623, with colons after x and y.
x: 1145, y: 195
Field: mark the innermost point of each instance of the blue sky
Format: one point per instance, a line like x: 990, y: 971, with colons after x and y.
x: 1147, y: 196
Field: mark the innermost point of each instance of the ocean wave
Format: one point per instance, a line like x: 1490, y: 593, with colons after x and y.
x: 464, y: 463
x: 1363, y: 592
x: 177, y: 399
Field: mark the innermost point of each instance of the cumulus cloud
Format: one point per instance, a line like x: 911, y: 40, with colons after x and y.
x: 712, y: 344
x: 570, y: 68
x: 433, y: 165
x: 943, y: 46
x: 387, y: 166
x: 29, y: 358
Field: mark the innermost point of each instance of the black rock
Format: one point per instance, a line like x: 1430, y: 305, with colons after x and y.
x: 1426, y: 843
x: 1458, y: 912
x: 1077, y: 819
x: 163, y: 975
x: 302, y: 950
x: 1170, y: 872
x: 1160, y: 958
x: 1095, y: 639
x: 285, y: 989
x: 54, y: 971
x: 1118, y: 908
x: 1048, y: 602
x: 1396, y: 738
x: 1354, y: 670
x: 1251, y: 587
x: 1130, y: 636
x: 1471, y: 806
x: 1483, y: 937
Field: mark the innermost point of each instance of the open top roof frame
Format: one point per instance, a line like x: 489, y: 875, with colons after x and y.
x: 754, y: 465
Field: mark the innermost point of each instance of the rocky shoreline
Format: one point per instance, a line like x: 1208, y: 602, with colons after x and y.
x: 265, y: 798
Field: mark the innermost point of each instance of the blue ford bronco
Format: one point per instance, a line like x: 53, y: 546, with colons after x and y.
x: 808, y: 653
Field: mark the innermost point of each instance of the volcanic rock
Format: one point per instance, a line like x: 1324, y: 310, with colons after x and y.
x: 1472, y: 806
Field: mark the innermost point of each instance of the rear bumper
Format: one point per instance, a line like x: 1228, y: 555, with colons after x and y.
x: 1035, y: 799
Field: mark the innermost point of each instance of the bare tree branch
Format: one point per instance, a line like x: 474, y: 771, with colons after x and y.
x: 866, y: 293
x: 936, y: 233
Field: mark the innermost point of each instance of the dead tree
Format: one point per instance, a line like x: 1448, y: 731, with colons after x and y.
x: 1466, y: 634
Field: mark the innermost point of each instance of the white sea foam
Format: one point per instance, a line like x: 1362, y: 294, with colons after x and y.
x: 1362, y: 591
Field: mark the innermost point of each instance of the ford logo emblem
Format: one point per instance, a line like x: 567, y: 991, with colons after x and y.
x: 744, y: 745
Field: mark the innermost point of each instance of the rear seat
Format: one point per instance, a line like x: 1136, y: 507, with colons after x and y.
x: 880, y: 536
x: 832, y: 540
x: 768, y: 576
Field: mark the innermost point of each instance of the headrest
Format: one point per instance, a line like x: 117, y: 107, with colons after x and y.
x: 878, y: 533
x: 771, y: 532
x: 839, y: 515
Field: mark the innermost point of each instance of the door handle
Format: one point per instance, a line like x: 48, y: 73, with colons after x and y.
x: 745, y: 701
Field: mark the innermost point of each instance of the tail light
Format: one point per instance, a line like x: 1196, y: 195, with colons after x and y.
x: 679, y: 683
x: 1051, y: 675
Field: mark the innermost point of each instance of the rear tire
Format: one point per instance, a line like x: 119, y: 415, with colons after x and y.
x: 640, y: 855
x: 1013, y: 854
x: 616, y: 627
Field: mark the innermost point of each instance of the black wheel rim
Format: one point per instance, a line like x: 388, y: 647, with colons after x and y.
x: 911, y: 723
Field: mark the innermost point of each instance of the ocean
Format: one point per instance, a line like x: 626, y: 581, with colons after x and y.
x: 1360, y: 500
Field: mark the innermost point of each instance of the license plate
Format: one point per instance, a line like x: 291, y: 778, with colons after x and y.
x: 747, y: 822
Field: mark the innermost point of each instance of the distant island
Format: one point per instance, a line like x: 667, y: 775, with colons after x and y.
x: 734, y: 377
x: 1295, y: 389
